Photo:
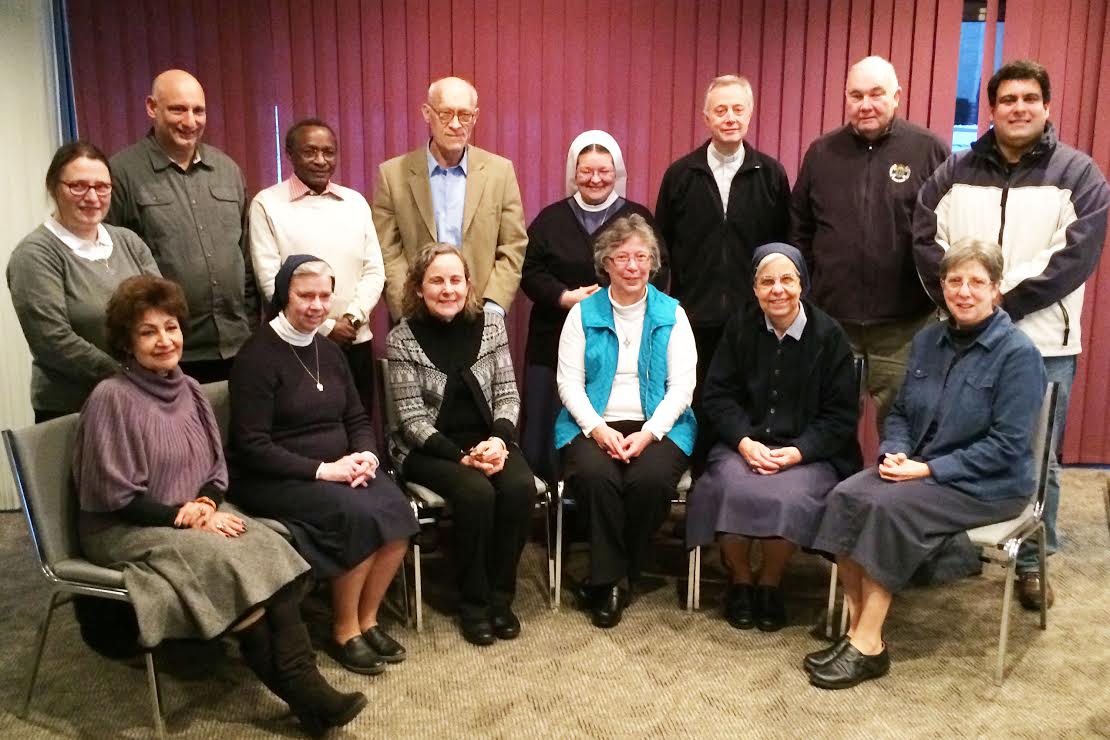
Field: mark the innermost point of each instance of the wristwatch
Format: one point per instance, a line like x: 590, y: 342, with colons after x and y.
x: 354, y: 322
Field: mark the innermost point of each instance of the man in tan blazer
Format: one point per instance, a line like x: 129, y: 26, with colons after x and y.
x: 450, y: 192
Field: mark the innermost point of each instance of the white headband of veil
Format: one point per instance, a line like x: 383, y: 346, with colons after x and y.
x: 585, y: 139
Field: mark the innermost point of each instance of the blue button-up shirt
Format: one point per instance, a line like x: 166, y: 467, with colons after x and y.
x: 448, y: 198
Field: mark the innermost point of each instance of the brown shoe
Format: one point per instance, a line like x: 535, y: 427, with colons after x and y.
x: 1029, y: 591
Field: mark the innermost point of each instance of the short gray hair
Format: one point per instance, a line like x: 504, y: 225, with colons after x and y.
x: 727, y: 81
x: 986, y: 253
x: 313, y: 267
x: 618, y: 233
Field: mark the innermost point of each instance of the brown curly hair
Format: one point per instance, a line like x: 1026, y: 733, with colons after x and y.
x: 412, y: 303
x: 133, y: 298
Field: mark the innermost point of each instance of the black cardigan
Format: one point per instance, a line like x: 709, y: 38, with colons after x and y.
x: 560, y: 257
x: 800, y: 394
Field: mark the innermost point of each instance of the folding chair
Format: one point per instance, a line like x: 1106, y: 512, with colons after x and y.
x: 428, y: 505
x: 1000, y: 542
x: 41, y: 462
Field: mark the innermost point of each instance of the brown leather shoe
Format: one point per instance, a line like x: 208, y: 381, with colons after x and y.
x: 1029, y: 591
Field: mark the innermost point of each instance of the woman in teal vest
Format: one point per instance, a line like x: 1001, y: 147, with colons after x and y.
x: 626, y: 375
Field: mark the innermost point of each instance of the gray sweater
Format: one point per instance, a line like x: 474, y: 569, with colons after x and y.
x: 60, y: 299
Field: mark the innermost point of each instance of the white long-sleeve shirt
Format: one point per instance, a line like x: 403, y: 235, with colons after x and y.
x: 624, y: 399
x: 335, y: 226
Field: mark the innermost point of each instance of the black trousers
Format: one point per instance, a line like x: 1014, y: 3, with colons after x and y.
x: 360, y: 358
x: 706, y: 339
x: 491, y: 525
x: 623, y: 504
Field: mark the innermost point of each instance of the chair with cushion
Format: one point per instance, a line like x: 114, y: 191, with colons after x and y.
x: 1000, y: 542
x: 40, y: 457
x: 429, y: 506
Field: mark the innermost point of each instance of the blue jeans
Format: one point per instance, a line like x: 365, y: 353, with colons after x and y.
x: 1060, y: 370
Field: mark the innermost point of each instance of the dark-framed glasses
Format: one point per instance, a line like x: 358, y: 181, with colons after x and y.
x: 446, y: 115
x: 79, y: 189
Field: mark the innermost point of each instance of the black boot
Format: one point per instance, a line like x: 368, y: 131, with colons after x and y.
x: 309, y: 695
x: 254, y: 646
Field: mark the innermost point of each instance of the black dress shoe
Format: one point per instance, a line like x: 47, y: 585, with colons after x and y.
x: 608, y: 611
x: 824, y: 656
x: 770, y: 609
x: 357, y: 656
x: 506, y: 625
x: 587, y: 596
x: 850, y: 667
x: 477, y: 631
x: 740, y: 606
x: 385, y: 646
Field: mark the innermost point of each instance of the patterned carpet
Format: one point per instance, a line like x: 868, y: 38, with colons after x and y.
x: 660, y: 673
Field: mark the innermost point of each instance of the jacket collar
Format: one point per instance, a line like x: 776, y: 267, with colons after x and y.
x: 699, y: 159
x: 985, y: 147
x: 862, y: 141
x: 159, y: 160
x: 999, y: 326
x: 598, y: 313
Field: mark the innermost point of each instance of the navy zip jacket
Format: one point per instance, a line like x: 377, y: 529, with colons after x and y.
x: 984, y: 405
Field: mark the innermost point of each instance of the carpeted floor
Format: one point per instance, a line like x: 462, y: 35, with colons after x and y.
x: 660, y: 673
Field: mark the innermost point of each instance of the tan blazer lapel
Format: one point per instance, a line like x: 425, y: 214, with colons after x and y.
x: 422, y: 190
x: 475, y: 183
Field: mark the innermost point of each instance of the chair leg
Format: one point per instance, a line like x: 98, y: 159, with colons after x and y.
x: 558, y: 585
x: 1042, y: 536
x: 1107, y: 502
x: 547, y: 540
x: 690, y: 558
x: 418, y: 605
x: 843, y: 616
x: 697, y: 579
x: 830, y: 613
x: 36, y: 658
x: 405, y: 595
x: 155, y: 694
x: 1004, y: 627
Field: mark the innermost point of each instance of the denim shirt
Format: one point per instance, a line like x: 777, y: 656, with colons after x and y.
x: 985, y: 407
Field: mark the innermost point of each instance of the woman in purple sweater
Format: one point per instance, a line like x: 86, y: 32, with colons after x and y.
x: 149, y: 469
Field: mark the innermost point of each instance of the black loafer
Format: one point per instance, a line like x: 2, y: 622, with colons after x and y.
x: 357, y: 656
x: 477, y: 631
x: 385, y: 646
x: 740, y: 606
x: 849, y: 668
x: 770, y: 609
x: 506, y: 625
x: 824, y: 656
x: 608, y: 611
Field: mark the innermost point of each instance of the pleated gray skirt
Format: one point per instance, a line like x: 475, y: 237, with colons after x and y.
x: 892, y: 528
x: 189, y: 583
x: 731, y: 499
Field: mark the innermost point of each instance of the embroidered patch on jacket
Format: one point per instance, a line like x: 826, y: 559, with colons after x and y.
x: 899, y: 172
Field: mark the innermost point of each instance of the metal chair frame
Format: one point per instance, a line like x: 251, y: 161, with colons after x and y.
x: 62, y: 589
x: 1000, y: 542
x: 428, y: 506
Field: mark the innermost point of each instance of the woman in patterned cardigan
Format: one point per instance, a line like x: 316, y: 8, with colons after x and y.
x: 457, y: 405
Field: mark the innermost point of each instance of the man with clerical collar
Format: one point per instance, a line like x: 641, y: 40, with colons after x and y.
x: 1046, y: 204
x: 187, y: 201
x: 716, y: 205
x: 451, y: 191
x: 852, y: 219
x: 309, y: 213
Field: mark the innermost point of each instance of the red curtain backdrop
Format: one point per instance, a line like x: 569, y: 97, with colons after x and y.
x: 1072, y: 39
x: 545, y: 71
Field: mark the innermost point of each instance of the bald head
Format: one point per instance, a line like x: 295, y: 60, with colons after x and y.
x: 450, y: 112
x: 177, y: 111
x: 872, y: 94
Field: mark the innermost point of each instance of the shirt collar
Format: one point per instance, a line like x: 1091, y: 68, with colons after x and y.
x: 433, y: 165
x: 298, y: 190
x: 159, y: 160
x: 74, y: 242
x: 797, y: 326
x: 720, y: 159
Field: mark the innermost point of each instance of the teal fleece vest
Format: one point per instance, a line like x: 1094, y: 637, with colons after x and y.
x: 601, y: 364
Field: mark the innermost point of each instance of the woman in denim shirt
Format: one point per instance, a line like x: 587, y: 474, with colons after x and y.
x: 956, y: 454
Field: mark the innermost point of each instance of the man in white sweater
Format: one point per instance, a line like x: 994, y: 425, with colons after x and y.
x: 310, y: 214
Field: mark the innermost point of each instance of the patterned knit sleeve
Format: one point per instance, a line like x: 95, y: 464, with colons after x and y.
x: 407, y: 365
x: 505, y: 401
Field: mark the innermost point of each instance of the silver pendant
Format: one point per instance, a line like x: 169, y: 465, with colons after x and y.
x: 320, y: 387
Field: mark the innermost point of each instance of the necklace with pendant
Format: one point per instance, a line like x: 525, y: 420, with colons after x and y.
x: 316, y: 377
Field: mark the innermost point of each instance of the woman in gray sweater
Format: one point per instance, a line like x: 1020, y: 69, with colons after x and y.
x: 61, y: 276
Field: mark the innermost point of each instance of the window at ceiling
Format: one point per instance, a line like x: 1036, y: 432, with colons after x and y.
x: 968, y: 79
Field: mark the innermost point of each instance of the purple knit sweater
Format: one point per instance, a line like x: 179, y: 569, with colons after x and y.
x: 144, y: 434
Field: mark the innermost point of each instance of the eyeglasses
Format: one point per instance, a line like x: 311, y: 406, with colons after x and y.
x: 975, y: 284
x: 466, y: 117
x: 767, y: 282
x: 79, y: 189
x: 587, y: 173
x: 622, y: 260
